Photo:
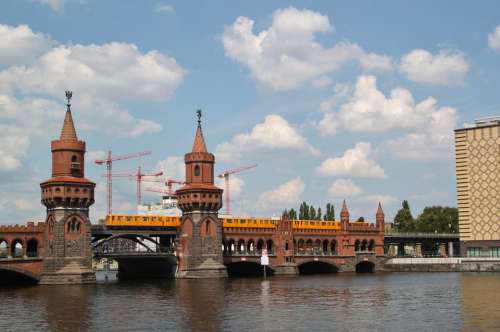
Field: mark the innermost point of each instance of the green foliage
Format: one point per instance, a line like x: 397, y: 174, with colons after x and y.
x: 438, y: 219
x: 330, y: 212
x: 293, y: 214
x: 312, y: 213
x: 432, y: 219
x: 403, y: 221
x: 361, y: 219
x: 309, y: 212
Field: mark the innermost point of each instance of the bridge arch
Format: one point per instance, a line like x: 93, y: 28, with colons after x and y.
x: 132, y: 237
x: 12, y: 275
x: 247, y: 269
x: 365, y: 267
x: 317, y: 267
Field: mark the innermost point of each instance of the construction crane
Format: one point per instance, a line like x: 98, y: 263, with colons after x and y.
x: 109, y: 165
x: 225, y: 175
x: 169, y: 183
x: 138, y: 177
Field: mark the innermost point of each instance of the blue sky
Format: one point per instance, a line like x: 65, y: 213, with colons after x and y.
x: 333, y: 100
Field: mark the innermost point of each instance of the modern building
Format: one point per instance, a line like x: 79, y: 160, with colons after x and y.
x: 477, y: 155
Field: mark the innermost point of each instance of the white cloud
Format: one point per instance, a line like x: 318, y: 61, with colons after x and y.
x: 287, y: 54
x: 494, y: 39
x: 433, y: 142
x: 383, y: 199
x: 173, y: 167
x: 444, y: 68
x: 275, y: 133
x: 289, y: 193
x: 55, y: 5
x: 20, y: 45
x: 114, y: 70
x: 344, y: 188
x: 164, y: 8
x: 236, y: 185
x: 100, y: 75
x: 354, y: 162
x: 429, y: 127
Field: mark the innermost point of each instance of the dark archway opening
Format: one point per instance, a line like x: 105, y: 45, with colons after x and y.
x: 365, y: 267
x: 32, y: 248
x: 9, y: 278
x: 317, y: 268
x: 247, y: 269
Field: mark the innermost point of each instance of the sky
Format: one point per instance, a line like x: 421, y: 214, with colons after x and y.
x: 333, y: 100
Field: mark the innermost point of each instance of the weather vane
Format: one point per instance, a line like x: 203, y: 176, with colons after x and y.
x: 69, y: 94
x: 198, y: 114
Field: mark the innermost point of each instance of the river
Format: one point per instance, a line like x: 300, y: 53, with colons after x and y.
x: 337, y: 302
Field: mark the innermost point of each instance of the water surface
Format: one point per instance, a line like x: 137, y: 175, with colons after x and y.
x: 338, y: 302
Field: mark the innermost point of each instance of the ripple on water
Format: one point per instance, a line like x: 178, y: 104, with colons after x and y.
x: 341, y: 302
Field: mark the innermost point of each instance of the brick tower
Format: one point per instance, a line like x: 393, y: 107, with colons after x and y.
x: 67, y: 196
x: 200, y: 236
x: 380, y: 218
x: 284, y: 248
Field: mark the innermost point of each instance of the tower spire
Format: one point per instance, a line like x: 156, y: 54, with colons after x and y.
x: 199, y: 141
x: 68, y: 132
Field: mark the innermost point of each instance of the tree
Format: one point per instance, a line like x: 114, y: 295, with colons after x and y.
x: 330, y: 212
x: 292, y: 214
x: 361, y: 219
x: 438, y: 219
x: 318, y: 215
x: 403, y: 221
x: 312, y: 213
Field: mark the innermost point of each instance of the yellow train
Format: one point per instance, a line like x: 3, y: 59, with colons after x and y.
x: 129, y: 220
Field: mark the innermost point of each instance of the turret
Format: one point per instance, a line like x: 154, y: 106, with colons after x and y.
x: 199, y: 193
x: 68, y: 186
x: 344, y: 216
x: 380, y: 218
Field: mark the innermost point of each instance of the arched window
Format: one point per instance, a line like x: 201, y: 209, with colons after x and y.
x: 207, y: 228
x: 371, y: 245
x: 16, y: 248
x: 197, y: 170
x: 32, y: 248
x: 74, y: 159
x: 357, y: 244
x: 4, y: 250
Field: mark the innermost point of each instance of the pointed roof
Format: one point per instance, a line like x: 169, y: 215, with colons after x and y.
x: 379, y: 210
x: 68, y: 132
x: 344, y: 207
x: 199, y: 141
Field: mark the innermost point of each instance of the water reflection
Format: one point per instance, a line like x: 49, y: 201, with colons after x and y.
x: 481, y: 307
x: 390, y: 302
x: 201, y: 302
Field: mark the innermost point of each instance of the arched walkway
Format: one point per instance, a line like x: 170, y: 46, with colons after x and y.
x: 365, y: 267
x: 17, y: 248
x: 32, y: 248
x: 247, y: 269
x: 4, y: 248
x: 317, y: 267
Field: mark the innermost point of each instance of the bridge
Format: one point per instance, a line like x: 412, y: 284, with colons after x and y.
x: 399, y: 244
x: 146, y: 246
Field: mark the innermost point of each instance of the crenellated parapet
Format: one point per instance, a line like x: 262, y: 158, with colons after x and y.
x: 30, y: 227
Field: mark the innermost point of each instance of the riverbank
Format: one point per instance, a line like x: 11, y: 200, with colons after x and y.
x: 451, y: 264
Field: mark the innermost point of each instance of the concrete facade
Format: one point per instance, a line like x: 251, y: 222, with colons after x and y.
x: 477, y: 153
